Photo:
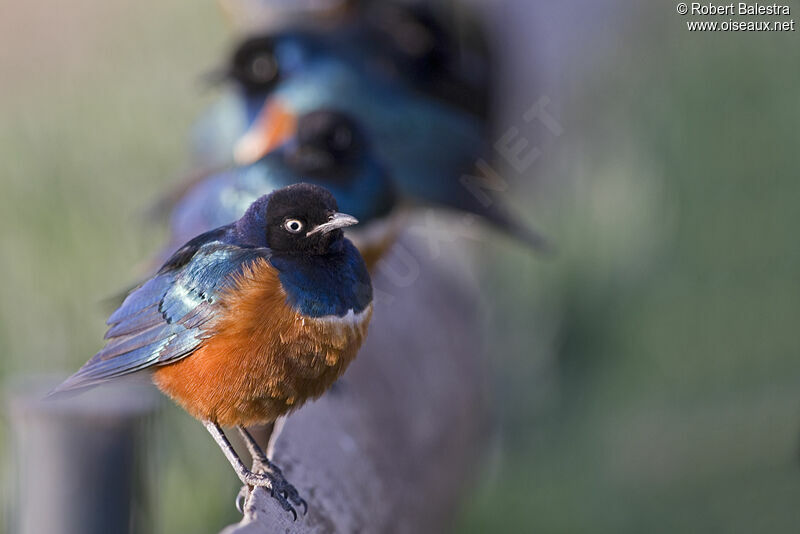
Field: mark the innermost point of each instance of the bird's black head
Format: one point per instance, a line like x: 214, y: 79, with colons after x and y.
x: 329, y: 145
x: 448, y: 63
x: 254, y: 64
x: 298, y: 219
x: 412, y: 36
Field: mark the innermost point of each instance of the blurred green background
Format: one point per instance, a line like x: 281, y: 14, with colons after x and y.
x: 647, y: 377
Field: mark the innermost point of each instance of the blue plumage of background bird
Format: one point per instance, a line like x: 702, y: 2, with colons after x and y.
x: 402, y: 43
x: 426, y: 144
x: 329, y: 149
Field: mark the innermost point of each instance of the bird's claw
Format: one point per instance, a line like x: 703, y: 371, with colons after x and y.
x: 287, y: 495
x: 288, y: 490
x: 279, y: 488
x: 241, y: 497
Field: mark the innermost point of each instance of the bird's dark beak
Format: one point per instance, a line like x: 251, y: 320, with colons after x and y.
x: 274, y: 125
x: 337, y: 220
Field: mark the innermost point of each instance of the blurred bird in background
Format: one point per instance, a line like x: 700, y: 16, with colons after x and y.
x: 399, y: 43
x: 246, y: 322
x: 329, y: 149
x: 411, y: 103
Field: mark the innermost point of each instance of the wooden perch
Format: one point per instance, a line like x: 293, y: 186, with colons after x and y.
x: 393, y: 447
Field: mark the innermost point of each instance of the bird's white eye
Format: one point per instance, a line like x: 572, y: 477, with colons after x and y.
x: 293, y: 226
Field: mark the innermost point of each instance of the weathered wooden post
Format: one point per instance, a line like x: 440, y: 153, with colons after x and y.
x: 79, y: 464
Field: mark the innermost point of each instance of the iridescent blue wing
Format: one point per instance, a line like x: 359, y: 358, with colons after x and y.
x: 166, y: 318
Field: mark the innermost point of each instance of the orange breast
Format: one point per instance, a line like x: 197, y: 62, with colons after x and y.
x: 261, y: 359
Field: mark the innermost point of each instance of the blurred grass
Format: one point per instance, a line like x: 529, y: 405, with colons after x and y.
x: 647, y: 377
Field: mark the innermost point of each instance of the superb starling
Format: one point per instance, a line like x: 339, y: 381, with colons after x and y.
x: 247, y: 322
x: 428, y: 147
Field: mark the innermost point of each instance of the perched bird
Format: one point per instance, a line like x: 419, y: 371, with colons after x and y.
x: 442, y: 53
x: 247, y: 322
x: 257, y: 65
x: 427, y: 145
x: 328, y: 149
